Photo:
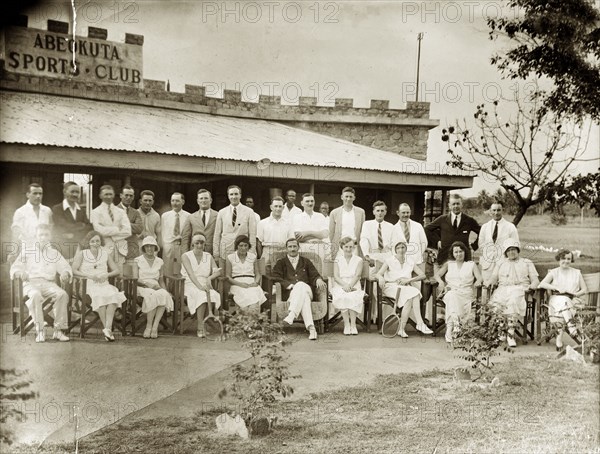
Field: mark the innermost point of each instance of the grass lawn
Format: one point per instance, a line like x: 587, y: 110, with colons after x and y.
x: 542, y: 406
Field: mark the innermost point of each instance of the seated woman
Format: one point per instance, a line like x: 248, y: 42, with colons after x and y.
x: 241, y: 269
x: 199, y: 269
x: 94, y: 263
x: 514, y: 276
x: 397, y: 274
x: 347, y: 296
x: 459, y: 291
x: 151, y: 286
x: 567, y: 286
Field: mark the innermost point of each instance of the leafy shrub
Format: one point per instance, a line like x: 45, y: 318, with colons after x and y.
x: 13, y: 388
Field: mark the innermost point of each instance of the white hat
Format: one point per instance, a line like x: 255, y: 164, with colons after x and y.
x: 150, y: 240
x: 510, y: 243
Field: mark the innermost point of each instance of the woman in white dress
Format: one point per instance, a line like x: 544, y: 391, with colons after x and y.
x: 151, y: 286
x: 458, y: 293
x: 241, y: 269
x: 199, y: 269
x: 395, y: 278
x: 94, y: 263
x: 567, y: 286
x: 347, y: 296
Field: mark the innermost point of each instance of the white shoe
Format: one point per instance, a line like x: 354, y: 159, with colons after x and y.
x: 108, y: 335
x: 200, y: 334
x: 347, y: 331
x: 40, y: 337
x: 60, y: 336
x: 424, y: 328
x: 312, y: 333
x: 510, y: 340
x: 402, y: 333
x: 559, y: 342
x: 449, y: 334
x: 289, y: 319
x: 354, y: 331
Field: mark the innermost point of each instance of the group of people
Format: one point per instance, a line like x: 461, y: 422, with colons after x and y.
x: 235, y: 238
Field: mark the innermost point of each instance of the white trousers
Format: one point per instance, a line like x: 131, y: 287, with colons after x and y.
x: 300, y: 299
x: 37, y: 291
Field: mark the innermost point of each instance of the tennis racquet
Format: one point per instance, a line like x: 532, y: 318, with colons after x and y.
x: 391, y: 324
x: 213, y: 327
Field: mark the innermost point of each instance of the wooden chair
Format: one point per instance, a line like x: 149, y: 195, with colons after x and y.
x: 137, y: 318
x: 22, y: 324
x: 591, y: 304
x: 81, y: 304
x: 318, y: 305
x: 328, y: 267
x: 526, y: 328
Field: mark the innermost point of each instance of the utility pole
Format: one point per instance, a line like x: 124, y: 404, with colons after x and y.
x: 419, y: 38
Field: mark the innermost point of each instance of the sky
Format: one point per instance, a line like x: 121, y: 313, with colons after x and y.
x: 346, y: 49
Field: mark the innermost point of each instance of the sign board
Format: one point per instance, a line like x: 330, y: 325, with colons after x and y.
x: 49, y: 54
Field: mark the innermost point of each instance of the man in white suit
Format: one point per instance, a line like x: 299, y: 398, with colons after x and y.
x: 344, y: 221
x: 232, y: 221
x: 376, y: 236
x: 492, y: 236
x: 113, y: 224
x: 412, y: 233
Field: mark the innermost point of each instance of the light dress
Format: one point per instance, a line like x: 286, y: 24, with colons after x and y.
x: 514, y: 278
x: 202, y: 270
x: 568, y: 281
x: 395, y: 271
x: 462, y: 293
x: 149, y: 276
x: 347, y: 300
x: 102, y: 294
x: 244, y: 272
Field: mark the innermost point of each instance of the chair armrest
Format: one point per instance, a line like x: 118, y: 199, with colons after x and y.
x: 278, y: 292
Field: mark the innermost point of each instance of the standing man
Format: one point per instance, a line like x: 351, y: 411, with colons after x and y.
x: 290, y: 209
x: 150, y: 218
x: 202, y: 221
x: 232, y: 221
x: 324, y: 209
x: 113, y: 224
x: 299, y: 280
x: 273, y: 232
x: 448, y: 228
x: 346, y: 220
x: 311, y: 229
x: 250, y: 204
x: 135, y: 219
x: 492, y: 237
x: 29, y: 216
x: 70, y: 221
x: 376, y: 237
x: 413, y: 233
x: 172, y: 224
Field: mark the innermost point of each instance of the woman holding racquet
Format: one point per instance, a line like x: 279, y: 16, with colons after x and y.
x: 395, y: 278
x: 199, y: 269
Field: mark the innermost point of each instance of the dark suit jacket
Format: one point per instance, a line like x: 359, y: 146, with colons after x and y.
x: 193, y: 224
x: 284, y: 272
x: 137, y: 226
x: 64, y: 224
x: 441, y: 230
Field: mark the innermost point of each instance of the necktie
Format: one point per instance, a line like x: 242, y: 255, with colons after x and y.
x: 455, y: 223
x: 110, y: 213
x: 127, y: 211
x: 177, y: 228
x: 204, y: 218
x: 234, y: 217
x: 495, y: 234
x: 406, y: 231
x: 379, y: 238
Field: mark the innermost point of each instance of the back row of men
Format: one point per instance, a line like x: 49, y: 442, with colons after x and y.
x: 124, y: 227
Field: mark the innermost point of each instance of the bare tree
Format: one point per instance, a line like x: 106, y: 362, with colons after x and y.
x: 527, y: 153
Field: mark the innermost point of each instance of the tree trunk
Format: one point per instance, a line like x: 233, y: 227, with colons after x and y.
x: 519, y: 215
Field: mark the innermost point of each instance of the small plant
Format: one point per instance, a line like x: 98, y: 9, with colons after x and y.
x: 480, y: 336
x: 13, y: 389
x: 257, y: 386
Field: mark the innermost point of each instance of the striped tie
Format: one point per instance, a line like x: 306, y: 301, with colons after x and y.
x: 177, y: 228
x: 234, y: 217
x: 379, y: 238
x: 406, y: 231
x: 110, y: 213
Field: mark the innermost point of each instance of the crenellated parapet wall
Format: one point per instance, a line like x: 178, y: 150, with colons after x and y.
x: 112, y: 71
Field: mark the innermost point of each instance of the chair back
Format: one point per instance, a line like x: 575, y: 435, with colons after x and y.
x: 592, y: 282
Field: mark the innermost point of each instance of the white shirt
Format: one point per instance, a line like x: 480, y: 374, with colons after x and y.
x: 273, y: 232
x: 492, y: 252
x: 27, y: 220
x: 73, y: 211
x: 369, y: 238
x: 167, y: 224
x: 417, y: 243
x: 287, y: 213
x: 206, y: 214
x: 294, y: 260
x: 42, y: 263
x: 348, y: 223
x: 317, y: 222
x: 457, y: 217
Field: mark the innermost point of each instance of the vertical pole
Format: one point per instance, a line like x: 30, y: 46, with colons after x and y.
x: 419, y: 38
